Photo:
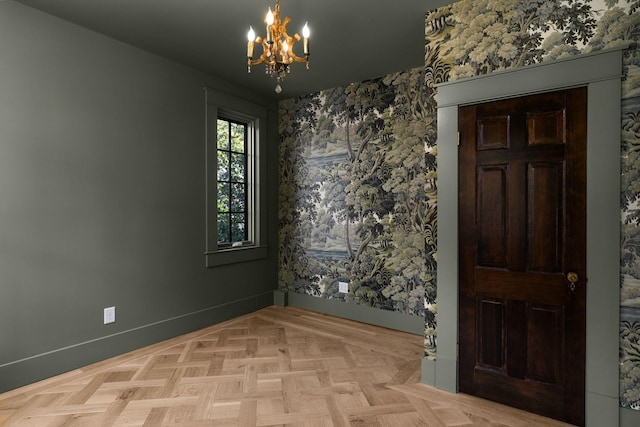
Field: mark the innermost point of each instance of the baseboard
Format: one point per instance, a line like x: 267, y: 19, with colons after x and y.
x: 374, y: 316
x: 629, y: 417
x: 601, y: 410
x: 428, y: 372
x: 280, y: 298
x: 38, y: 367
x: 440, y: 373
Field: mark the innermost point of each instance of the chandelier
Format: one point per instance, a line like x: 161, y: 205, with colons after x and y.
x: 277, y: 47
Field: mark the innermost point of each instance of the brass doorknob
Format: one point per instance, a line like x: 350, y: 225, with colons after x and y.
x: 572, y: 277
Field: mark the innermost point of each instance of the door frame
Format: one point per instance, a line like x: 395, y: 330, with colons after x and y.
x: 601, y: 73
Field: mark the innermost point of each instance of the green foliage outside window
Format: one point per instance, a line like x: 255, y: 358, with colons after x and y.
x: 231, y: 182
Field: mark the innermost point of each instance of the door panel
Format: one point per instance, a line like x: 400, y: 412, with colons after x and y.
x: 492, y: 216
x: 544, y: 216
x: 490, y: 340
x: 522, y: 202
x: 545, y: 323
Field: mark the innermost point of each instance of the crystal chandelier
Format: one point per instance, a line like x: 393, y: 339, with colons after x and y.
x: 277, y: 46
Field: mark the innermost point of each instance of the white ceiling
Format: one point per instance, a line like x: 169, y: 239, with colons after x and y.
x: 351, y: 40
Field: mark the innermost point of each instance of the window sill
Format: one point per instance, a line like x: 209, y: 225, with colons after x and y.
x: 235, y: 255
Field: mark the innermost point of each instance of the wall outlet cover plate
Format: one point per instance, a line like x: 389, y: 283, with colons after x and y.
x: 343, y: 287
x: 109, y: 315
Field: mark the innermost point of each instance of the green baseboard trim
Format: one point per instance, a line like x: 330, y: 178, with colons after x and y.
x: 440, y: 373
x: 374, y: 316
x: 629, y: 417
x: 428, y: 372
x: 280, y: 298
x: 601, y: 410
x: 41, y: 366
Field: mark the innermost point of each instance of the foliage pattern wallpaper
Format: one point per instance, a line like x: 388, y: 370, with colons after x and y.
x: 358, y: 172
x: 357, y: 195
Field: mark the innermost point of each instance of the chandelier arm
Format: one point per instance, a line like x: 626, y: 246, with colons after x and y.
x: 292, y: 41
x: 266, y: 56
x: 297, y: 58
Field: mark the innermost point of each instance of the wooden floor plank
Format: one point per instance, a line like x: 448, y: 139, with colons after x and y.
x: 280, y: 366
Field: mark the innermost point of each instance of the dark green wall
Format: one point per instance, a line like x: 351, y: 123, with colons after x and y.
x: 102, y: 200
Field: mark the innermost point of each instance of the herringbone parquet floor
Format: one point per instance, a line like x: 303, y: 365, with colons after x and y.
x: 279, y: 366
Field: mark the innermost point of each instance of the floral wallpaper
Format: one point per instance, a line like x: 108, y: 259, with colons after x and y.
x: 357, y: 195
x: 358, y: 163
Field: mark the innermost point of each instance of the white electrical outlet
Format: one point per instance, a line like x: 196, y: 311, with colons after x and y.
x: 109, y: 315
x: 343, y: 287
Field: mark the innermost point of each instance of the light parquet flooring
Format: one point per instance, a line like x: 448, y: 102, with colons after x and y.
x: 280, y: 366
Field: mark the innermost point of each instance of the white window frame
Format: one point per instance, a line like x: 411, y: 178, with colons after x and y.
x: 221, y: 105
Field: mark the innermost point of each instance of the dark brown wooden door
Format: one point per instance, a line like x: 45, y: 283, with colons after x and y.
x: 522, y: 222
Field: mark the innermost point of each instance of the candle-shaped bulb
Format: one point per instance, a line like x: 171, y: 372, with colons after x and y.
x: 306, y: 33
x: 270, y: 18
x: 269, y: 21
x: 251, y: 36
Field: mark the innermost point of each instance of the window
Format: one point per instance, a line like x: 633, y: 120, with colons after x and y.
x: 232, y: 185
x: 235, y: 220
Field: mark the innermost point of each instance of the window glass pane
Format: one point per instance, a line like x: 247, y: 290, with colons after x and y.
x: 231, y: 182
x: 238, y: 198
x: 224, y: 229
x: 223, y: 166
x: 223, y: 134
x: 237, y: 167
x: 238, y: 229
x: 223, y: 197
x: 237, y: 137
